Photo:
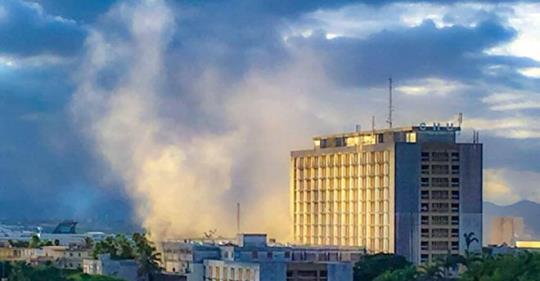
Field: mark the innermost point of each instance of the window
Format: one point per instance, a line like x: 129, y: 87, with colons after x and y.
x: 425, y: 169
x: 254, y: 255
x: 440, y: 220
x: 425, y: 194
x: 455, y: 220
x: 439, y: 169
x: 455, y: 207
x: 410, y: 137
x: 455, y: 156
x: 439, y: 245
x: 425, y: 156
x: 455, y: 182
x: 439, y: 232
x: 425, y: 220
x: 424, y: 207
x: 455, y: 194
x: 439, y: 182
x: 424, y: 182
x: 425, y: 233
x: 425, y: 245
x: 439, y: 207
x: 455, y: 232
x: 439, y: 156
x: 455, y: 170
x: 269, y: 255
x: 455, y: 245
x: 437, y: 194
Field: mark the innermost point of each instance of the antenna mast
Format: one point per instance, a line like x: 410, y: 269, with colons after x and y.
x: 238, y: 218
x: 390, y: 105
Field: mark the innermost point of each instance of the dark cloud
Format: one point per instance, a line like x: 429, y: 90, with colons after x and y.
x: 454, y: 52
x: 27, y: 30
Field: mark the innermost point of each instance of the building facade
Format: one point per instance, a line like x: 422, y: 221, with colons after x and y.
x: 250, y: 258
x: 506, y: 230
x: 412, y: 191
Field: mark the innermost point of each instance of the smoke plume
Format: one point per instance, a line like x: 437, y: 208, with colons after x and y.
x: 187, y: 154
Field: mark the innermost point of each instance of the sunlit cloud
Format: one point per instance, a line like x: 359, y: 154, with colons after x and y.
x: 517, y: 100
x: 430, y: 86
x: 533, y: 72
x: 525, y: 18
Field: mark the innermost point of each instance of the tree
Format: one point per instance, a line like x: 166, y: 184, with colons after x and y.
x: 118, y: 247
x: 35, y: 242
x: 146, y: 255
x: 469, y: 239
x: 88, y: 242
x: 524, y: 266
x: 371, y: 266
x: 24, y: 272
x: 408, y: 273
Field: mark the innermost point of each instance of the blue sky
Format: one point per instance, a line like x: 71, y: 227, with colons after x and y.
x: 103, y: 103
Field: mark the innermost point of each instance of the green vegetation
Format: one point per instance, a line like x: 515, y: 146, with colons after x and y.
x: 21, y: 271
x: 139, y: 247
x: 371, y: 266
x: 523, y: 266
x: 35, y: 242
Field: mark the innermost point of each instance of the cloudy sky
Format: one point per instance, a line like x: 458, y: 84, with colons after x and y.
x: 157, y: 110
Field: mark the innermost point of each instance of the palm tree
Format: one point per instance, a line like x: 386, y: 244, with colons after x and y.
x: 431, y: 271
x: 469, y: 239
x: 146, y: 255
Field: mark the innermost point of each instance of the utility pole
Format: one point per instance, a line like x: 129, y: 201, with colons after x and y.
x: 238, y: 218
x: 390, y: 105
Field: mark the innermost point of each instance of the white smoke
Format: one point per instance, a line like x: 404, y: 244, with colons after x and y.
x: 181, y: 179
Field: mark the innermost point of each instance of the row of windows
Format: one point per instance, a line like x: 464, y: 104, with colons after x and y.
x: 342, y: 195
x: 440, y: 156
x: 440, y: 194
x: 372, y: 231
x: 342, y: 183
x: 341, y: 159
x: 342, y: 206
x: 347, y: 219
x: 372, y: 244
x: 438, y: 169
x: 440, y: 220
x: 439, y: 207
x: 440, y: 233
x: 218, y: 273
x: 439, y: 182
x: 439, y: 245
x: 341, y: 172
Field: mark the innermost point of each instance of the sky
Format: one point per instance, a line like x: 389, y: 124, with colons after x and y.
x: 167, y: 113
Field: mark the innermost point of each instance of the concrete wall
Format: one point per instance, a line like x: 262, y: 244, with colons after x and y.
x: 470, y: 199
x: 407, y: 171
x: 340, y: 272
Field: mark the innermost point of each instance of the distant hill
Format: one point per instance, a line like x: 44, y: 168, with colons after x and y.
x: 528, y: 210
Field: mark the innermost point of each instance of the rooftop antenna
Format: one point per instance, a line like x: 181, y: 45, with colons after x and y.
x: 390, y: 105
x: 373, y: 124
x: 237, y: 217
x: 460, y: 119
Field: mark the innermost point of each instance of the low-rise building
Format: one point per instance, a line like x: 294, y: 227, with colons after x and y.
x: 319, y: 271
x: 251, y: 258
x: 104, y: 265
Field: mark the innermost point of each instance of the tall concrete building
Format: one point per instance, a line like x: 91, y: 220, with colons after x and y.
x: 506, y: 230
x: 412, y: 191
